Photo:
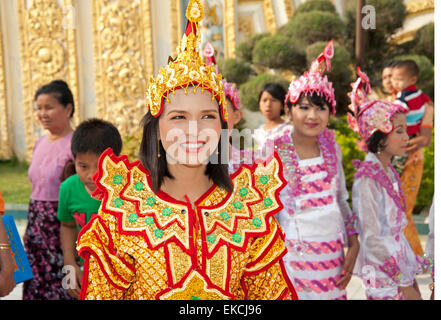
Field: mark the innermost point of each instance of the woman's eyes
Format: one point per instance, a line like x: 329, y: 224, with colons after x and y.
x: 206, y: 116
x: 306, y: 107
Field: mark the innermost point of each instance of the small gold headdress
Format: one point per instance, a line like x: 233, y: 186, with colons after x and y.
x: 188, y: 69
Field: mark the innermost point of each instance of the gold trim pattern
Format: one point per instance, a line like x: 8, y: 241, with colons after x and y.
x: 123, y: 45
x: 5, y: 146
x: 289, y: 8
x: 175, y: 23
x: 230, y: 28
x: 48, y: 52
x: 270, y: 18
x: 246, y: 26
x: 418, y: 7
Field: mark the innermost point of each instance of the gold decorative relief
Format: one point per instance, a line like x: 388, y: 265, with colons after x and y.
x: 230, y: 28
x: 5, y: 146
x: 175, y: 24
x: 270, y: 18
x: 123, y: 59
x: 417, y: 7
x: 48, y: 52
x: 246, y: 26
x: 289, y: 8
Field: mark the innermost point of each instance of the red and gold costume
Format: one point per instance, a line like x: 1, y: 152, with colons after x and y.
x: 144, y: 245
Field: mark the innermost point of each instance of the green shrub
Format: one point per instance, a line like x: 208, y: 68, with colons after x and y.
x: 309, y: 27
x: 234, y: 70
x: 249, y: 91
x: 340, y: 74
x: 347, y: 139
x: 427, y: 186
x: 426, y: 75
x: 318, y: 5
x: 425, y: 42
x: 244, y: 50
x: 279, y: 51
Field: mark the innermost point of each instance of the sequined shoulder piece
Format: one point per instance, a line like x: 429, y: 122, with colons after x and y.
x: 248, y: 210
x: 376, y: 172
x: 126, y: 192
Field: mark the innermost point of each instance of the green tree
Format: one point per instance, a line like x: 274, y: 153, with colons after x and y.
x: 316, y: 5
x: 309, y: 27
x: 235, y: 70
x: 244, y: 50
x: 279, y: 51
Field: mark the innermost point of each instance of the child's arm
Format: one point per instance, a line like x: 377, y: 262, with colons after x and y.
x: 68, y: 236
x: 350, y: 224
x: 425, y: 137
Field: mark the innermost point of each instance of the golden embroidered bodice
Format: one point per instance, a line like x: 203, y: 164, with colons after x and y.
x: 144, y: 245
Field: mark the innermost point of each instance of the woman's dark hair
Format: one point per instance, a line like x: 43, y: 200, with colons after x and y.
x: 216, y: 170
x: 60, y: 91
x: 375, y: 143
x: 314, y: 99
x: 277, y: 91
x: 95, y: 136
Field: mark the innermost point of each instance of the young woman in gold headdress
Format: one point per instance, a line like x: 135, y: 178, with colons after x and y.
x: 175, y: 225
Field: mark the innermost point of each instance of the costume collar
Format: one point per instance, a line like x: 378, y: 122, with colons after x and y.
x: 229, y: 218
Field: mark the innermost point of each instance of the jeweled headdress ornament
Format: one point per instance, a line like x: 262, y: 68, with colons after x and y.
x: 313, y: 80
x: 369, y: 116
x: 187, y: 70
x: 230, y: 89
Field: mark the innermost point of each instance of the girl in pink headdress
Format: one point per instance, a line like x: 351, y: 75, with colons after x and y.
x: 386, y: 261
x: 236, y: 156
x: 317, y: 219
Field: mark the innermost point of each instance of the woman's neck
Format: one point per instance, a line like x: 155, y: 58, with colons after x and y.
x: 306, y: 147
x: 385, y: 159
x: 272, y: 123
x: 189, y: 181
x: 56, y: 135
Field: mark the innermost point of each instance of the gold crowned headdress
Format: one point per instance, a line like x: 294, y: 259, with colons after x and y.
x: 188, y: 69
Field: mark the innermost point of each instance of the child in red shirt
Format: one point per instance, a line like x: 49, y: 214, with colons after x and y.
x: 419, y: 128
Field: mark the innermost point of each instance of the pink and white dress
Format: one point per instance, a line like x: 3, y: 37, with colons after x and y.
x: 385, y: 260
x: 261, y: 136
x: 316, y: 217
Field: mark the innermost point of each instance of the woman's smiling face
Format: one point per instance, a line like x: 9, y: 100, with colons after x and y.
x: 190, y: 127
x: 308, y: 119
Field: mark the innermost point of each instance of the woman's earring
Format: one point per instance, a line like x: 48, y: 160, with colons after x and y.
x: 159, y: 149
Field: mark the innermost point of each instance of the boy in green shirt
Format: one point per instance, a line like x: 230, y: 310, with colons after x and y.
x: 75, y: 204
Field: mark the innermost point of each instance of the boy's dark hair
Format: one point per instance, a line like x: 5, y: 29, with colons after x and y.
x: 277, y: 91
x: 390, y: 64
x: 157, y: 166
x: 314, y: 99
x: 60, y: 91
x: 95, y: 136
x: 410, y: 66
